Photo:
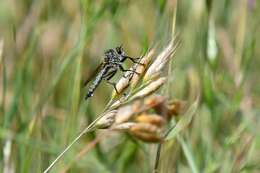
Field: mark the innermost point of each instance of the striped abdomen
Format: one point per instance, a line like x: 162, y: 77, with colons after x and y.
x: 96, y: 82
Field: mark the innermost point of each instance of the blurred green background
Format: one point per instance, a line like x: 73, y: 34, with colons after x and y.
x: 50, y: 47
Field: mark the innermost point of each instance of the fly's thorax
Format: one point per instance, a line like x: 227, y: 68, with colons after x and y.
x: 110, y: 55
x: 115, y: 55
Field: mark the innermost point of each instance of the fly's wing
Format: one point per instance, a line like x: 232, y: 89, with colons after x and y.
x: 93, y: 74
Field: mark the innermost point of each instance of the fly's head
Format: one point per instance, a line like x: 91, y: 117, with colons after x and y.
x: 115, y: 55
x: 121, y: 53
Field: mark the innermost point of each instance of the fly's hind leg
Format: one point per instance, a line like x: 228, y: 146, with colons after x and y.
x: 114, y: 85
x: 109, y: 76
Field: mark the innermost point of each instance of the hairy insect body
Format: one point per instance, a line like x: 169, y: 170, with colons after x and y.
x: 110, y: 56
x: 112, y: 62
x: 96, y: 82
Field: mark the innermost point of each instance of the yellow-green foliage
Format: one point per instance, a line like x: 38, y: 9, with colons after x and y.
x: 48, y: 48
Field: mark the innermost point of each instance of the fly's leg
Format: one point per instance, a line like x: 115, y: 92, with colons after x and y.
x: 134, y: 60
x: 109, y: 76
x: 124, y: 70
x: 114, y: 85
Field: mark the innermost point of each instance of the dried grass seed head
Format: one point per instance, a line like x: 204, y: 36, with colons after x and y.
x: 107, y: 120
x: 141, y: 68
x: 121, y: 85
x: 146, y: 132
x: 157, y: 66
x: 154, y: 100
x: 125, y: 113
x: 123, y: 127
x: 147, y: 137
x: 153, y: 119
x: 124, y: 82
x: 145, y: 127
x: 175, y: 108
x: 151, y: 88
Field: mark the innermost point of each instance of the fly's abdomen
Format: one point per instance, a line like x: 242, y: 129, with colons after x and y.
x: 96, y: 82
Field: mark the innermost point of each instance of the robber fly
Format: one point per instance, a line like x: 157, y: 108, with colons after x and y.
x: 112, y: 62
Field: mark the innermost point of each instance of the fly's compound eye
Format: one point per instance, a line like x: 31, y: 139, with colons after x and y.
x: 119, y: 50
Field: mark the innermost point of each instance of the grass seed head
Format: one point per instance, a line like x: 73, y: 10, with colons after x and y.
x: 174, y: 108
x: 124, y: 82
x: 154, y: 100
x: 107, y: 120
x: 121, y: 85
x: 123, y: 127
x: 151, y: 88
x: 158, y: 65
x: 141, y: 68
x: 153, y: 119
x: 125, y: 113
x: 147, y: 137
x: 145, y: 127
x: 146, y: 132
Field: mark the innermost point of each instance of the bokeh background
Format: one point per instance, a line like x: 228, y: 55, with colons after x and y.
x: 47, y: 48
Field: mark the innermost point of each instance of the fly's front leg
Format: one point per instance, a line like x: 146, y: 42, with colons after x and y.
x: 124, y: 70
x: 134, y: 60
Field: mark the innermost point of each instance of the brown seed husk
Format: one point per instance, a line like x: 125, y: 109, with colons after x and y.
x: 144, y: 127
x: 154, y: 100
x: 145, y: 132
x: 147, y: 137
x: 174, y: 108
x: 161, y: 109
x: 153, y: 119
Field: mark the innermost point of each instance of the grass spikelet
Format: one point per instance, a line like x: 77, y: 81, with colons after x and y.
x: 124, y: 82
x: 126, y: 112
x: 151, y: 88
x: 141, y: 68
x: 123, y: 126
x: 154, y: 119
x: 162, y: 59
x: 147, y: 137
x: 174, y: 108
x: 107, y: 120
x: 146, y: 132
x: 154, y: 100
